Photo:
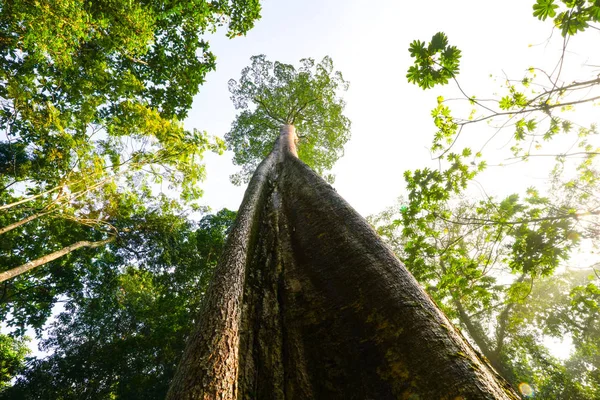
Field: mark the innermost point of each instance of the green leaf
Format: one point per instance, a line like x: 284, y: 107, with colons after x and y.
x: 506, y: 103
x: 543, y: 9
x: 416, y: 48
x: 439, y: 41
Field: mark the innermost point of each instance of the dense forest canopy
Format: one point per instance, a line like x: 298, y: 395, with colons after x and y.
x: 92, y: 101
x: 92, y: 95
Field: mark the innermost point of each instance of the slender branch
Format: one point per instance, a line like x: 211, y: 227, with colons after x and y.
x: 484, y: 221
x: 532, y: 109
x: 262, y: 104
x: 22, y: 222
x: 561, y: 62
x: 11, y: 273
x: 579, y: 153
x: 299, y: 110
x: 30, y: 198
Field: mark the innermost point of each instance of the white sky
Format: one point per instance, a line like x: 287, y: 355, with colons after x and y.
x: 368, y: 41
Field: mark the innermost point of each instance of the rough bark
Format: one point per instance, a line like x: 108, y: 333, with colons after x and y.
x: 309, y: 303
x: 11, y: 273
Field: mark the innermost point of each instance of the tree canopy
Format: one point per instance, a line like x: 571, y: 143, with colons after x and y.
x: 122, y: 335
x: 92, y: 95
x: 92, y: 98
x: 271, y: 94
x: 508, y: 268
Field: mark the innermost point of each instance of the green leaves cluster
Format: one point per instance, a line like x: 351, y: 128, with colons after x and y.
x: 555, y: 309
x: 92, y: 94
x: 435, y: 63
x: 121, y: 335
x: 12, y: 358
x: 271, y: 94
x: 573, y: 15
x: 544, y: 9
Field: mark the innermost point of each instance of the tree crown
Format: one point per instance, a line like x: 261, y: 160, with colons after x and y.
x: 270, y: 94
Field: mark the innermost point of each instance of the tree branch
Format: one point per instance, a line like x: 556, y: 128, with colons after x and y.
x: 22, y: 222
x: 11, y: 273
x: 483, y: 221
x: 262, y: 104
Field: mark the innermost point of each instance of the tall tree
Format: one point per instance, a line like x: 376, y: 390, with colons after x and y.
x: 306, y: 301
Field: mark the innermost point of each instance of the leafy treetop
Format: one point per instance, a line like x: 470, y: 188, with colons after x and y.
x: 270, y: 94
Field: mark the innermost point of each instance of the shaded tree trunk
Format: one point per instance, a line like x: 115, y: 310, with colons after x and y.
x: 476, y: 332
x: 17, y: 224
x: 308, y: 303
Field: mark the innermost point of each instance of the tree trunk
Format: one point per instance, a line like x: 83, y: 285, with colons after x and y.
x: 11, y: 273
x: 308, y: 303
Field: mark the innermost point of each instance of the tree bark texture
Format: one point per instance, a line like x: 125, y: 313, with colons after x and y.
x: 308, y: 303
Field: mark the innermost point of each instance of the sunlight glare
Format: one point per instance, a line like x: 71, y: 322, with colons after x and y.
x: 525, y: 389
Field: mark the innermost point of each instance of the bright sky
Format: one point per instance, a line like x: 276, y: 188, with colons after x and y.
x: 368, y: 42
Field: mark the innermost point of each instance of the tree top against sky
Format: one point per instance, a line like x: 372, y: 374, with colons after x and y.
x: 271, y: 94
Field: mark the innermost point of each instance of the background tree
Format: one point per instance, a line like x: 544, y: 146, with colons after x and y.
x: 91, y: 99
x: 122, y: 335
x: 271, y: 94
x: 488, y: 261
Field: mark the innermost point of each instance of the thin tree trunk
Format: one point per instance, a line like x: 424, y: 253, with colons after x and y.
x: 17, y: 224
x: 27, y: 199
x: 60, y: 196
x: 308, y: 303
x: 476, y: 333
x: 11, y: 273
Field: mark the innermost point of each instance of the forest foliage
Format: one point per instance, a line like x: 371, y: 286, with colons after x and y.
x: 92, y: 98
x: 512, y: 271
